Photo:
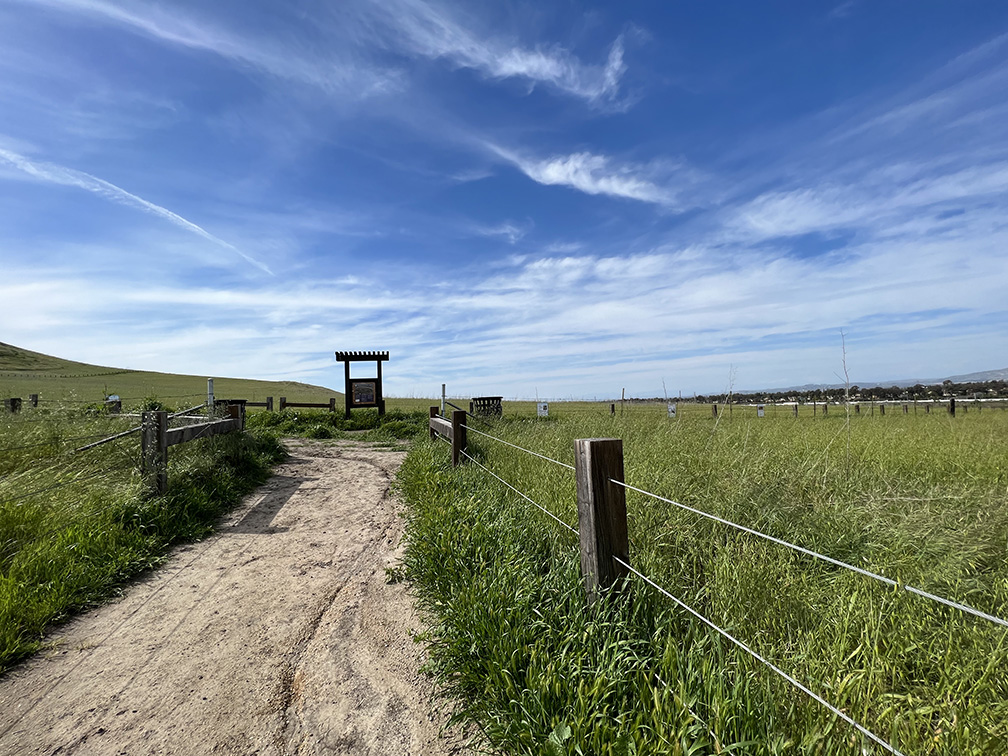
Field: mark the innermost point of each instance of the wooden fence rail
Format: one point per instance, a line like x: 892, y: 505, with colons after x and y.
x: 156, y: 437
x: 331, y: 406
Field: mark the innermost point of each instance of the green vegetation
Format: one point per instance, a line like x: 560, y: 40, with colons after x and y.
x: 922, y: 499
x: 362, y: 425
x: 75, y: 526
x: 60, y: 382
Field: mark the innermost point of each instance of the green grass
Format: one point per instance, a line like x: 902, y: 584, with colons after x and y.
x: 76, y: 526
x: 63, y: 382
x: 921, y: 499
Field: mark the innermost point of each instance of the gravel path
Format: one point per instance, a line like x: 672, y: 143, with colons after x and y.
x: 278, y: 635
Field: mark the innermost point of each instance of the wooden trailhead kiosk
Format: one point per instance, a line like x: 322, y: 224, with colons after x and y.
x: 363, y: 392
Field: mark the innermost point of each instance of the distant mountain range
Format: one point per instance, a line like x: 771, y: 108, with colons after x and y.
x: 984, y: 375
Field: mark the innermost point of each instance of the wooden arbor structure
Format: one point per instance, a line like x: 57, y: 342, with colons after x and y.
x: 363, y: 392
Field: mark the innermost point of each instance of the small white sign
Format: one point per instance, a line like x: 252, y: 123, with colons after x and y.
x: 542, y: 409
x: 759, y: 410
x: 671, y: 409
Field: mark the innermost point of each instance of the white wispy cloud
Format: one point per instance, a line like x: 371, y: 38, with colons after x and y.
x: 57, y: 174
x: 323, y: 68
x: 432, y: 31
x: 512, y: 232
x: 879, y: 201
x: 594, y: 174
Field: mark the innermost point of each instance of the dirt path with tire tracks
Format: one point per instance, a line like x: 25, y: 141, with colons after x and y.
x: 278, y: 635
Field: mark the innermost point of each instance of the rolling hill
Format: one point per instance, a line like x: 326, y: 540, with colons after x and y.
x: 24, y: 372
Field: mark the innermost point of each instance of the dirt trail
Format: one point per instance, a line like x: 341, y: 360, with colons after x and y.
x: 278, y: 635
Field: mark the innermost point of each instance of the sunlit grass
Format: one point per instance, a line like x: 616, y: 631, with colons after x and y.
x: 920, y: 499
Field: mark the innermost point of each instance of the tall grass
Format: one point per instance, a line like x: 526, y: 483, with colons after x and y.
x: 922, y: 500
x: 74, y: 527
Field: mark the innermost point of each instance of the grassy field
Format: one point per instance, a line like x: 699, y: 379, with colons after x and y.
x: 920, y: 498
x: 63, y: 382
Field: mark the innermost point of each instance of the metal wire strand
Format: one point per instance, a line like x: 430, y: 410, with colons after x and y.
x: 64, y: 483
x: 864, y: 731
x: 815, y: 554
x: 530, y: 501
x: 520, y: 448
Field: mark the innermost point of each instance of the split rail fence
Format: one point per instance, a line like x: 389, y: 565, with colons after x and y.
x: 604, y: 541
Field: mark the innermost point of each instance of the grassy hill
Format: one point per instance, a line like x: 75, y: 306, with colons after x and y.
x: 24, y: 372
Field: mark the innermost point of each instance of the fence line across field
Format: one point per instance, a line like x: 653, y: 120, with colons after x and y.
x: 816, y: 555
x: 965, y: 608
x: 611, y: 545
x: 600, y: 459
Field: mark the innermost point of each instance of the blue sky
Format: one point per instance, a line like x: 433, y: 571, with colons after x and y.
x: 543, y: 198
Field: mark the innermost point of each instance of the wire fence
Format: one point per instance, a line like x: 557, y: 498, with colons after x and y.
x: 834, y: 710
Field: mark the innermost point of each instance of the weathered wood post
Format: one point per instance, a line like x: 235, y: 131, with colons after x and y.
x: 283, y: 403
x: 458, y: 436
x: 825, y: 409
x: 33, y: 400
x: 602, y: 523
x: 857, y: 409
x: 612, y: 409
x: 906, y: 409
x: 13, y: 404
x: 881, y: 409
x: 154, y: 449
x: 433, y: 414
x: 332, y: 403
x: 815, y: 407
x: 714, y: 411
x: 952, y: 406
x: 794, y: 409
x: 269, y: 403
x: 927, y: 409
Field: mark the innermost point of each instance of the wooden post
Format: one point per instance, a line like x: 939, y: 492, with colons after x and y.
x: 952, y: 406
x: 825, y: 409
x: 602, y: 524
x: 815, y: 407
x: 458, y: 436
x: 795, y: 409
x: 433, y: 413
x: 713, y: 409
x: 269, y: 403
x: 33, y: 400
x: 857, y: 409
x: 906, y: 409
x: 379, y: 391
x: 13, y: 404
x: 347, y: 396
x: 332, y: 403
x: 283, y: 403
x: 154, y: 449
x: 612, y: 409
x: 927, y: 409
x: 881, y: 409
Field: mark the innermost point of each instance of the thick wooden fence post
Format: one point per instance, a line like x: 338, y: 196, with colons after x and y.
x: 825, y: 409
x: 952, y: 406
x: 283, y: 403
x: 795, y: 409
x: 332, y: 403
x: 458, y: 436
x: 154, y: 449
x: 269, y: 403
x: 602, y: 523
x: 714, y: 411
x: 881, y: 409
x: 33, y: 400
x: 433, y: 413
